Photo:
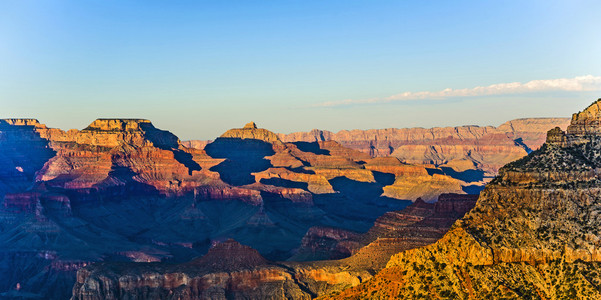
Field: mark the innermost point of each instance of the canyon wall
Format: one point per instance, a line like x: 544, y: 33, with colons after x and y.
x: 123, y: 190
x: 533, y: 233
x: 488, y: 148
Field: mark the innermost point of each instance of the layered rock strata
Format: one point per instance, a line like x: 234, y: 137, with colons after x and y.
x: 123, y: 190
x: 487, y: 147
x: 532, y: 234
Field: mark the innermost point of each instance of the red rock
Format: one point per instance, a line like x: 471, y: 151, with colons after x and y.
x: 489, y: 147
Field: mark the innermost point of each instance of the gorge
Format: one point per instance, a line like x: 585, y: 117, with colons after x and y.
x: 121, y: 191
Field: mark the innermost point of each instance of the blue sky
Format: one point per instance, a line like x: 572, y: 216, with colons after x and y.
x: 198, y: 68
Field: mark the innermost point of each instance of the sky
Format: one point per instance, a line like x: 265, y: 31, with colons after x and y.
x: 198, y: 68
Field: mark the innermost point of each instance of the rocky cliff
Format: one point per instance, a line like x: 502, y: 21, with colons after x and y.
x: 488, y: 148
x: 111, y: 153
x: 533, y: 233
x: 416, y: 225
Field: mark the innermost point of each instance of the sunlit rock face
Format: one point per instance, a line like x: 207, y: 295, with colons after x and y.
x: 487, y: 148
x: 587, y: 122
x: 114, y: 152
x: 250, y: 131
x: 532, y: 234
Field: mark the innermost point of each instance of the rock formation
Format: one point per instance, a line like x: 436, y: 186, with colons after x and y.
x: 123, y: 190
x: 113, y: 152
x: 533, y: 233
x: 416, y: 225
x: 488, y: 147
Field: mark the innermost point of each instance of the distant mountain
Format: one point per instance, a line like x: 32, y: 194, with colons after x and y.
x: 485, y: 148
x: 472, y: 154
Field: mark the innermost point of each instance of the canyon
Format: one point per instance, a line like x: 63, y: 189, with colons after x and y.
x: 470, y: 153
x: 233, y: 271
x: 123, y: 195
x: 533, y: 233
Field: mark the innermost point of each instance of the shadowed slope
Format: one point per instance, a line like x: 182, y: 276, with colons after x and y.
x: 242, y: 157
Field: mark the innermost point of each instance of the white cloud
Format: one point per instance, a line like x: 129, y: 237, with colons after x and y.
x: 576, y: 84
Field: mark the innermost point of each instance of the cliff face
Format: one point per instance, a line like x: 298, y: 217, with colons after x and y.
x: 488, y: 147
x: 416, y: 225
x: 114, y: 152
x: 228, y: 271
x: 22, y: 153
x: 532, y: 234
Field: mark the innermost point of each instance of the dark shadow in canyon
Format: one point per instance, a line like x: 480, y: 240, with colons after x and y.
x: 383, y: 178
x: 166, y: 140
x: 468, y: 176
x: 312, y: 147
x: 285, y: 183
x: 520, y: 143
x: 243, y: 157
x: 23, y: 152
x: 473, y: 189
x: 185, y: 159
x: 364, y: 192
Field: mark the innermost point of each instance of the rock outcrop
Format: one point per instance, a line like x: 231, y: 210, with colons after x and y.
x: 228, y: 271
x: 22, y: 153
x: 532, y: 234
x: 250, y: 131
x: 116, y: 152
